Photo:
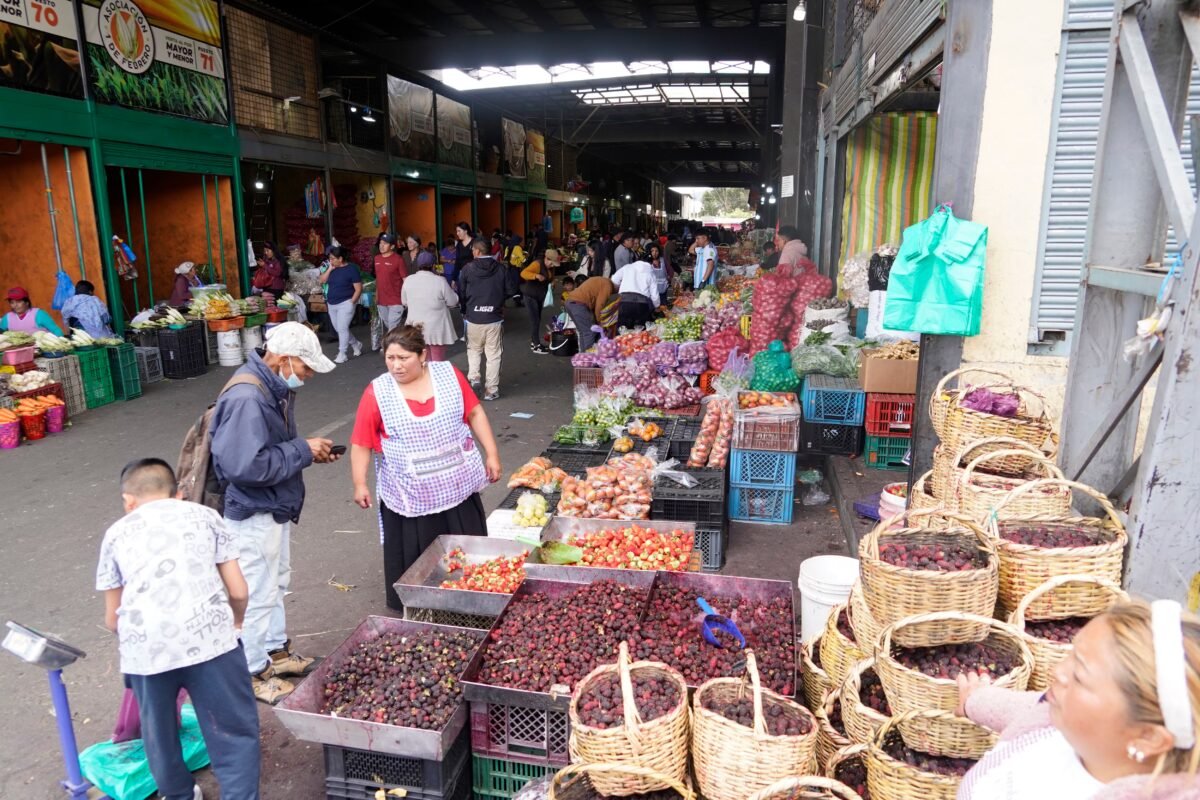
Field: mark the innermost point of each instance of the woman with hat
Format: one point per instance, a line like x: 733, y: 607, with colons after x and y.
x: 24, y: 317
x: 185, y: 280
x: 535, y: 281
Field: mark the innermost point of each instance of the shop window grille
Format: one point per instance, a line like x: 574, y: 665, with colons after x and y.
x: 268, y: 65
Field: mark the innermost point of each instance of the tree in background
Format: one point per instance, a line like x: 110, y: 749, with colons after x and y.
x: 726, y: 202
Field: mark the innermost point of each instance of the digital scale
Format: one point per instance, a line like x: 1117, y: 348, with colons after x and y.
x: 52, y: 655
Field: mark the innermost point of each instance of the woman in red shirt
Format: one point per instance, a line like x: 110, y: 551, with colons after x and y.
x: 426, y: 429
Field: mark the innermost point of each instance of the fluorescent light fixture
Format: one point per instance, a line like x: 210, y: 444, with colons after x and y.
x: 367, y: 116
x: 487, y: 195
x: 772, y: 200
x: 353, y: 109
x: 259, y: 185
x: 628, y: 197
x: 801, y: 11
x: 770, y: 190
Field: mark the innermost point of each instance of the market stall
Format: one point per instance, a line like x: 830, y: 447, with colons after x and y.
x: 416, y: 210
x: 489, y: 212
x: 360, y: 213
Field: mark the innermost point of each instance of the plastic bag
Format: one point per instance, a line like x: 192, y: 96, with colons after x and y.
x: 669, y: 470
x: 825, y: 359
x: 121, y: 770
x: 812, y: 493
x: 773, y: 370
x: 64, y: 290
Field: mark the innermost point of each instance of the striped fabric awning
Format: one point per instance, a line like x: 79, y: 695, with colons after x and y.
x: 889, y: 175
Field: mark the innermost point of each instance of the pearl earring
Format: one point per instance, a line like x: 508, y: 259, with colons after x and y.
x: 1135, y: 754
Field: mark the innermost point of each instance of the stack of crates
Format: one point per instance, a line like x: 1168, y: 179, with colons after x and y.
x: 834, y: 410
x: 97, y: 377
x: 762, y: 463
x: 352, y: 774
x: 512, y: 745
x: 889, y: 420
x: 122, y: 361
x: 65, y: 372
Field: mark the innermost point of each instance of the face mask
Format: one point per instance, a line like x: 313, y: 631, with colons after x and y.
x: 293, y: 381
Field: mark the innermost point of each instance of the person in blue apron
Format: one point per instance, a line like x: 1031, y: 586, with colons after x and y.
x: 434, y: 451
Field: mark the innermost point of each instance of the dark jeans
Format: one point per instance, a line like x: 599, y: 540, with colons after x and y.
x: 533, y: 305
x: 582, y: 316
x: 228, y: 717
x: 635, y: 310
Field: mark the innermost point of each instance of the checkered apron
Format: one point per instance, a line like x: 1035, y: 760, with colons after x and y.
x: 429, y: 464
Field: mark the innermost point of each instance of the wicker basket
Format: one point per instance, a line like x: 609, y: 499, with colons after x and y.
x: 898, y: 780
x: 919, y: 497
x: 1024, y: 567
x: 1046, y: 653
x: 861, y: 720
x: 807, y: 787
x: 829, y: 738
x: 957, y: 426
x: 813, y: 679
x: 855, y: 752
x: 576, y: 781
x: 660, y: 745
x: 838, y: 653
x: 979, y: 493
x: 910, y: 690
x: 866, y: 629
x: 893, y: 593
x: 951, y: 735
x: 948, y: 464
x: 733, y: 761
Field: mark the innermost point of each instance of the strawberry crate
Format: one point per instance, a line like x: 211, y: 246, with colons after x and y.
x: 889, y: 414
x: 359, y: 774
x: 762, y: 468
x: 833, y: 400
x: 756, y: 504
x: 703, y: 503
x: 501, y: 778
x: 712, y: 543
x: 887, y: 452
x: 821, y: 439
x: 518, y: 733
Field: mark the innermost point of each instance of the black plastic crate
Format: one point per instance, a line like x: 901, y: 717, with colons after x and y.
x: 821, y: 438
x: 575, y: 462
x: 703, y: 503
x: 510, y: 500
x: 600, y: 447
x: 183, y: 351
x: 712, y: 544
x: 687, y: 429
x: 351, y: 773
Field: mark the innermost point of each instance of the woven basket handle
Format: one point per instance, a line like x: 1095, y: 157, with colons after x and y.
x: 1018, y: 616
x: 845, y: 753
x: 567, y: 776
x: 1046, y: 465
x: 853, y: 680
x: 1010, y: 442
x: 632, y: 718
x: 760, y: 719
x: 896, y: 720
x: 885, y: 638
x: 1025, y: 488
x: 941, y: 385
x: 871, y: 540
x: 794, y: 787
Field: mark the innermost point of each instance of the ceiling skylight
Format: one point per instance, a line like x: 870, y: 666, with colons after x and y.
x: 533, y: 74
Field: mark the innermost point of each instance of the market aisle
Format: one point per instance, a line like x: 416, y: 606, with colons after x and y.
x: 61, y: 494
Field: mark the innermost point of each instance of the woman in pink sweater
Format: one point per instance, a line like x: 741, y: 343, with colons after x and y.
x: 1119, y: 722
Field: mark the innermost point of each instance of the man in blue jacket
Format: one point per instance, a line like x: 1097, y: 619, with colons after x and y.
x: 258, y: 454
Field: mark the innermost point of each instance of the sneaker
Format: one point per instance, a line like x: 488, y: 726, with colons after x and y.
x: 196, y: 793
x: 356, y: 349
x: 285, y: 662
x: 269, y: 688
x: 341, y: 359
x: 476, y: 386
x: 492, y: 395
x: 541, y: 350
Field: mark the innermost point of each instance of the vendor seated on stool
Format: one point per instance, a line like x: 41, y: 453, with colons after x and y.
x: 24, y: 317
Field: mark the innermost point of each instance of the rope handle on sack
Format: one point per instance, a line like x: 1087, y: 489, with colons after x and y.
x: 788, y: 787
x: 576, y: 772
x: 885, y: 638
x: 1045, y: 464
x: 1017, y: 619
x: 870, y: 542
x: 1106, y: 504
x: 1010, y: 442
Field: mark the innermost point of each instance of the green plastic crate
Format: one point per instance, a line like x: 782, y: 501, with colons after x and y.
x: 97, y: 377
x: 887, y: 452
x: 254, y: 320
x: 500, y: 779
x: 122, y: 363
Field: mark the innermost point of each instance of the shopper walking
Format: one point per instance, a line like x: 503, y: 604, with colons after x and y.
x: 662, y: 270
x: 257, y: 452
x: 515, y: 262
x: 390, y: 272
x: 705, y: 273
x: 429, y: 299
x: 482, y: 291
x: 536, y: 280
x: 23, y: 317
x: 436, y: 451
x: 85, y: 311
x: 463, y: 235
x: 585, y: 307
x: 344, y: 287
x: 178, y: 629
x: 185, y: 280
x: 417, y: 257
x: 639, y: 294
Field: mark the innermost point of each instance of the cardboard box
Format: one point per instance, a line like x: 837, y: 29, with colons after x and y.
x: 316, y: 302
x: 888, y: 375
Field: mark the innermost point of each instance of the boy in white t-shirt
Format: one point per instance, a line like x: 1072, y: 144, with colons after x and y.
x: 175, y: 597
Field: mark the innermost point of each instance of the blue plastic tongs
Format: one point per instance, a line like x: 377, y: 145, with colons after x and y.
x: 715, y: 622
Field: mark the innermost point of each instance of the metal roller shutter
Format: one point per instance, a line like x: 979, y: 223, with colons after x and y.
x: 1073, y: 137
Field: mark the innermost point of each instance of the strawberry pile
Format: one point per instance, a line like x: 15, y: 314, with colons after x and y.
x: 636, y: 547
x: 501, y: 575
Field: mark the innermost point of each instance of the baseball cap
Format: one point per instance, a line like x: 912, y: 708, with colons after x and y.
x: 390, y: 238
x: 18, y: 293
x: 294, y: 339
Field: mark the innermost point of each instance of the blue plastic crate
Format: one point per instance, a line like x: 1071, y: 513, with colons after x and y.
x: 833, y: 400
x: 762, y: 468
x: 755, y: 504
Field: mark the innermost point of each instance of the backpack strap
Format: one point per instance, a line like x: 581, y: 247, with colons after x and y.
x: 244, y: 378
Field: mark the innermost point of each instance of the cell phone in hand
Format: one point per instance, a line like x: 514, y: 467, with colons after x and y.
x: 337, y: 450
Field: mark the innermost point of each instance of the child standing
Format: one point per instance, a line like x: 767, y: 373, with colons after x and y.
x: 175, y: 596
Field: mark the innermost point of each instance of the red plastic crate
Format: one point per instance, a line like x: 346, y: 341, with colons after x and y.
x: 683, y: 411
x: 589, y: 376
x: 706, y: 379
x: 890, y: 414
x: 518, y: 733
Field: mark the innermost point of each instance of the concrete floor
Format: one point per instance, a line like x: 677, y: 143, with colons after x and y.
x: 61, y: 494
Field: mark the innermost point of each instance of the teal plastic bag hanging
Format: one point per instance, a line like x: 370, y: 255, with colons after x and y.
x: 121, y: 770
x: 936, y: 282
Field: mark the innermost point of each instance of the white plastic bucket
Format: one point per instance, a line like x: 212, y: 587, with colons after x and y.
x: 229, y: 349
x: 824, y: 582
x: 252, y: 339
x: 890, y: 504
